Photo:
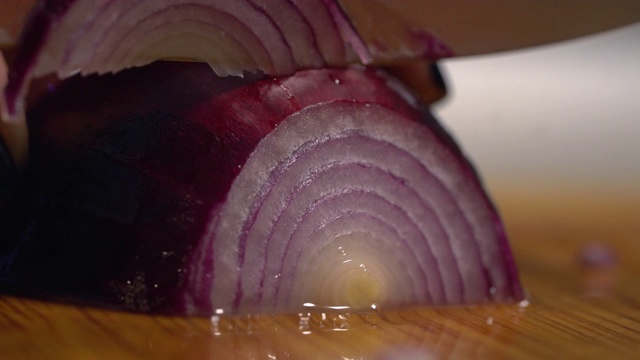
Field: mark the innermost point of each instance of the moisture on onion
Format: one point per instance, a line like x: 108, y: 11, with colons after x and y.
x: 171, y: 189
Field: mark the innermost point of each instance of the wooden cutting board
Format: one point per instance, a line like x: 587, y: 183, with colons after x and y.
x: 578, y: 255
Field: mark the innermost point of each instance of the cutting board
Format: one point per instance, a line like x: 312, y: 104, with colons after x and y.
x: 577, y: 252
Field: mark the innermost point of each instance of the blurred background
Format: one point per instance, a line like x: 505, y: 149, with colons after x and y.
x: 563, y: 116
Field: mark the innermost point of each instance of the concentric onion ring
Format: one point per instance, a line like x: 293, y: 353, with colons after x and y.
x: 392, y: 167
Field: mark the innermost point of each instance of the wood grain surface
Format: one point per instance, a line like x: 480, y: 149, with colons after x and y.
x: 577, y: 250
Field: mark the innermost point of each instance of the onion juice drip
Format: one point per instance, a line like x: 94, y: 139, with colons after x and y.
x: 313, y: 319
x: 347, y: 287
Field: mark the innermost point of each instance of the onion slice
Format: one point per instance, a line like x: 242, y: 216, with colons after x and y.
x: 174, y: 190
x: 279, y: 37
x: 105, y: 36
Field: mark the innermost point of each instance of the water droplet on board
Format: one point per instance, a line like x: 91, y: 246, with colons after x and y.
x: 303, y: 323
x: 215, y: 325
x: 407, y: 353
x: 597, y: 255
x: 598, y: 264
x: 523, y: 304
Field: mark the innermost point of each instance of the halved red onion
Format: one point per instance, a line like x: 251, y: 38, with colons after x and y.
x: 171, y: 189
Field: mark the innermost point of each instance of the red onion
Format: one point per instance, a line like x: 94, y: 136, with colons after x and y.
x: 171, y: 189
x: 87, y: 36
x: 278, y: 37
x: 275, y: 37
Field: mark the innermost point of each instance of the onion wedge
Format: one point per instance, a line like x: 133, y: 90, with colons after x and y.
x: 175, y: 190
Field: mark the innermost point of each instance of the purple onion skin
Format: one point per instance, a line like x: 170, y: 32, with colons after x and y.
x: 121, y: 184
x: 116, y: 181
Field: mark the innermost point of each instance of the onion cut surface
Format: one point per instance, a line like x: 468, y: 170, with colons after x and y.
x: 328, y: 187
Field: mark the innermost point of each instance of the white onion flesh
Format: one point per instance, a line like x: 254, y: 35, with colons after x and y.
x: 385, y: 173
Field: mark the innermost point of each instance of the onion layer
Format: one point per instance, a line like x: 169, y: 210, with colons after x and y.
x: 105, y: 36
x: 278, y: 37
x: 191, y: 193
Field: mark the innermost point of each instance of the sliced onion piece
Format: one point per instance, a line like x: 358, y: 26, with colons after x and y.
x: 275, y: 37
x: 196, y: 194
x: 280, y: 36
x: 416, y: 183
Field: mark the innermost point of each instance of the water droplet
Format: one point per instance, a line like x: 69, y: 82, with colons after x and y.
x: 303, y: 322
x: 598, y: 255
x: 249, y: 325
x: 407, y: 352
x: 336, y: 81
x: 523, y: 304
x: 341, y: 322
x: 215, y: 325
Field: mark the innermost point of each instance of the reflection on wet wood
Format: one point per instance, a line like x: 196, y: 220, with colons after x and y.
x: 579, y: 307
